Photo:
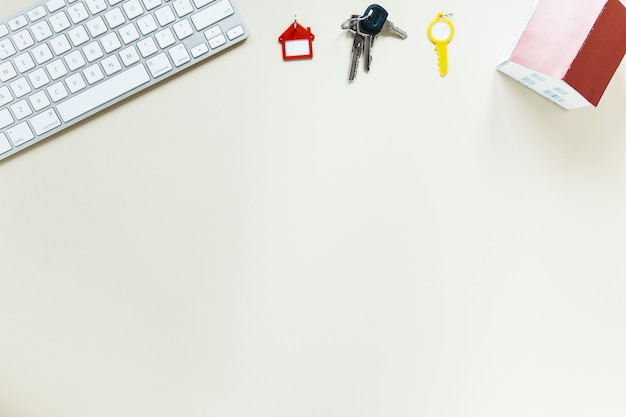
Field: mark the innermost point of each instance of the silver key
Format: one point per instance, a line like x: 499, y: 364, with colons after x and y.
x: 367, y: 51
x: 358, y: 44
x: 357, y: 49
x: 390, y: 27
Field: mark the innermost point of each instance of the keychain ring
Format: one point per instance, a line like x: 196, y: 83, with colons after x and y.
x: 441, y: 29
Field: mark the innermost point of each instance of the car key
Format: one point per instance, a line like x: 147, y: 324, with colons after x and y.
x: 376, y: 20
x: 373, y: 20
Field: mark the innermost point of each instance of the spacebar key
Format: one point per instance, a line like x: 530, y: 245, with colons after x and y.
x: 101, y: 93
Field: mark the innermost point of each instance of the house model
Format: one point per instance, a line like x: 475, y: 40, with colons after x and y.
x: 568, y: 51
x: 297, y: 42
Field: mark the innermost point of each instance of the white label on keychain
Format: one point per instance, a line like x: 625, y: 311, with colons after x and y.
x: 298, y: 47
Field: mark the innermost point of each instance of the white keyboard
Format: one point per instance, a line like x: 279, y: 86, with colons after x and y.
x: 62, y: 61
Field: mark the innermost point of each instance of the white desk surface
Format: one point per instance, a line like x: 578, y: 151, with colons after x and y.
x: 259, y: 238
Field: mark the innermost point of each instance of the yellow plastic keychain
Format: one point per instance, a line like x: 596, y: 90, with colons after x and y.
x: 440, y: 32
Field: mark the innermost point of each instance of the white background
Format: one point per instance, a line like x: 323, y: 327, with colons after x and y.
x: 258, y: 238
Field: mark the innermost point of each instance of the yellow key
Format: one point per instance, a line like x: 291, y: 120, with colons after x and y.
x: 440, y: 32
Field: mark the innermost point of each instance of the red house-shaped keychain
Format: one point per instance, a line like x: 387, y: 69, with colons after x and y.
x: 297, y: 42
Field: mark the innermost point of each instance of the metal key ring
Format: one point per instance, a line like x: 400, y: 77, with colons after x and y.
x: 355, y: 18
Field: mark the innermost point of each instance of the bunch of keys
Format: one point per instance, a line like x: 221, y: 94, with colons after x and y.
x: 365, y: 28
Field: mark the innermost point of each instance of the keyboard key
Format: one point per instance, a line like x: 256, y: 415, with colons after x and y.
x: 159, y: 65
x: 6, y: 48
x: 36, y: 13
x: 57, y: 91
x: 23, y: 40
x: 78, y: 35
x: 183, y: 29
x: 147, y: 47
x: 39, y: 100
x: 5, y: 95
x: 20, y: 87
x: 56, y: 69
x: 201, y: 49
x: 96, y: 27
x: 3, y: 30
x: 5, y: 146
x: 110, y: 42
x: 7, y: 71
x: 151, y: 4
x: 106, y: 91
x: 96, y: 6
x: 59, y: 22
x: 93, y: 51
x: 93, y: 74
x: 60, y: 44
x: 20, y: 134
x: 115, y: 18
x: 132, y: 9
x: 24, y: 62
x: 74, y: 60
x: 165, y: 38
x: 235, y: 32
x: 129, y: 33
x: 182, y: 7
x: 179, y: 55
x: 212, y: 32
x: 38, y: 78
x: 21, y: 109
x: 165, y: 15
x: 129, y: 56
x: 42, y: 31
x: 5, y: 118
x: 42, y: 53
x: 212, y: 14
x: 54, y: 5
x: 111, y: 65
x: 147, y: 24
x: 217, y: 41
x: 18, y: 22
x: 75, y: 82
x: 78, y: 13
x: 45, y: 122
